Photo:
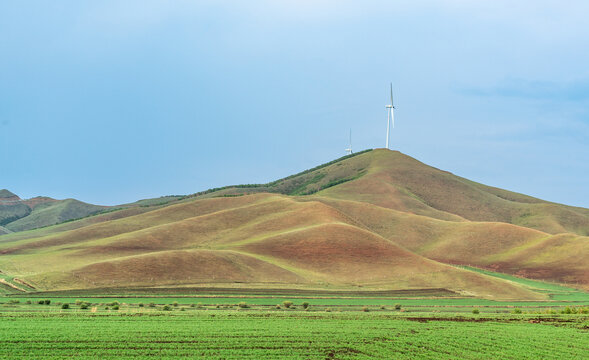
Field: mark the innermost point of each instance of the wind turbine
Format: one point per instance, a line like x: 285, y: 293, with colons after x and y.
x: 349, y: 150
x: 390, y: 116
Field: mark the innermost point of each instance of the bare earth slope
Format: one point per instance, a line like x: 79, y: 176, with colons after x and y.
x: 380, y: 220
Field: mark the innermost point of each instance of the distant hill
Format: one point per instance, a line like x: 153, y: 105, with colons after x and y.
x: 17, y: 214
x: 6, y: 195
x: 376, y: 220
x: 4, y: 230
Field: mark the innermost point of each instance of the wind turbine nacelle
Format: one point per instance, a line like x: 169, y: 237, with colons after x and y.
x: 389, y: 106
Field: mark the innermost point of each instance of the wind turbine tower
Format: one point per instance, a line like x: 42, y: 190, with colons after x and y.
x: 390, y: 116
x: 349, y: 150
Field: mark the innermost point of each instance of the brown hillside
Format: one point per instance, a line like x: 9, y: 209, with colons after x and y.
x: 498, y: 246
x: 380, y: 220
x: 399, y: 182
x: 176, y: 267
x: 256, y: 238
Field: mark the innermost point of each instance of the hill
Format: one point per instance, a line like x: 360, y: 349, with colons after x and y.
x: 51, y: 213
x: 376, y: 220
x: 257, y: 239
x: 17, y: 214
x: 396, y: 181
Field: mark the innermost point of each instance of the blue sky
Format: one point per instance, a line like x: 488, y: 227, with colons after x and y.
x: 114, y: 101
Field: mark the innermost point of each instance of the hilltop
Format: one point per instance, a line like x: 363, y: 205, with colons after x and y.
x: 377, y: 219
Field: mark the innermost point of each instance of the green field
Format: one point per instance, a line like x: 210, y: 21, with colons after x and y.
x: 225, y: 323
x: 254, y: 334
x: 262, y: 326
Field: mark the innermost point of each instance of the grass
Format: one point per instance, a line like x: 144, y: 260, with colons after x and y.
x: 250, y: 334
x: 222, y: 323
x: 553, y: 289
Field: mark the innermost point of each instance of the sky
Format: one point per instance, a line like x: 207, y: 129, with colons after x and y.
x: 109, y: 102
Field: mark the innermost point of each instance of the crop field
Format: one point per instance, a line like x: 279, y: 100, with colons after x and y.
x: 291, y: 324
x: 290, y: 335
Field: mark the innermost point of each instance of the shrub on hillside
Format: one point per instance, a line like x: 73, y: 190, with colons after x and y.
x: 83, y: 306
x: 167, y: 308
x: 47, y: 301
x: 287, y: 304
x: 65, y: 306
x: 243, y: 305
x: 365, y: 309
x: 305, y: 305
x: 569, y: 310
x: 475, y: 311
x: 397, y: 306
x: 516, y: 311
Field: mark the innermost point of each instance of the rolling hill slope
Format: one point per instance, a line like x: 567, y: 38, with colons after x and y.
x: 262, y: 238
x: 377, y: 220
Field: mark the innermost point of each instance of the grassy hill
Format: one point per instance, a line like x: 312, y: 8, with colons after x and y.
x: 51, y: 213
x: 13, y: 212
x: 271, y: 239
x: 375, y: 220
x: 17, y: 214
x: 399, y: 182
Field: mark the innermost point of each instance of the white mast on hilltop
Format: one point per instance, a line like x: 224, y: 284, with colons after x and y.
x: 349, y: 150
x: 390, y: 116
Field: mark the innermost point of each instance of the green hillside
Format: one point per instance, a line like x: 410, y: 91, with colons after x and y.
x: 53, y: 213
x: 303, y: 183
x: 10, y: 212
x: 5, y: 194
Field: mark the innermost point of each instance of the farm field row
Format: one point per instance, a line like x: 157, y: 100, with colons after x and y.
x: 297, y: 335
x: 270, y: 301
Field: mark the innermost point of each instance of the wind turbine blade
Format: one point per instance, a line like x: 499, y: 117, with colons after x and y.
x: 392, y: 104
